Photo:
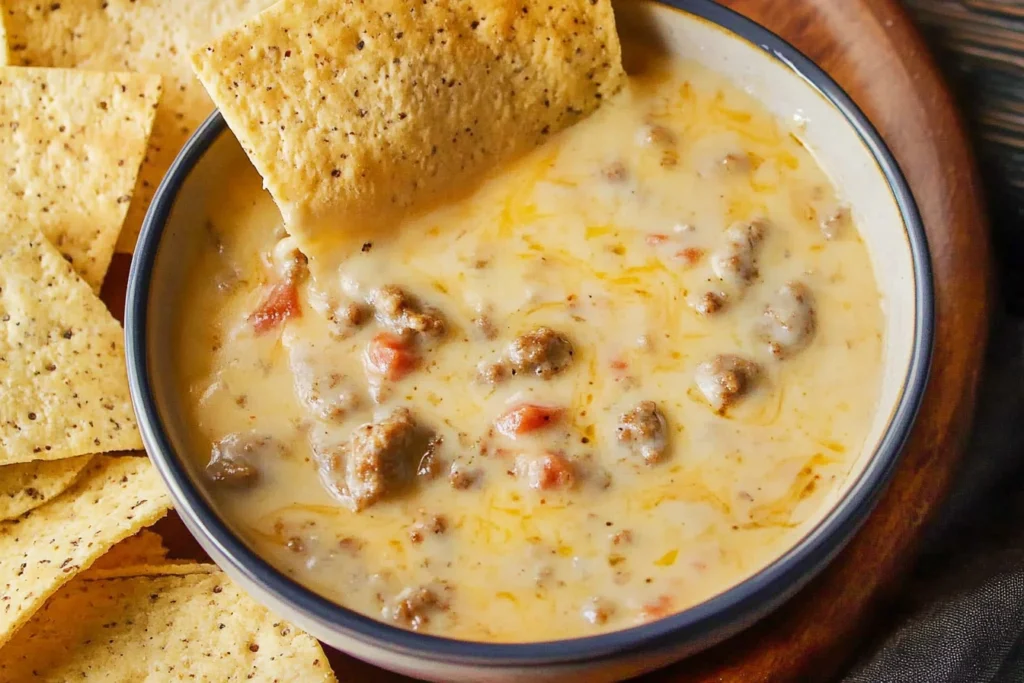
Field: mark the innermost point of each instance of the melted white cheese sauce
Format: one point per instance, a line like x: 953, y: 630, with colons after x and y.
x: 604, y: 235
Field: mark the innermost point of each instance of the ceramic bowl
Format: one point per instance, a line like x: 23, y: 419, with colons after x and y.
x: 867, y: 177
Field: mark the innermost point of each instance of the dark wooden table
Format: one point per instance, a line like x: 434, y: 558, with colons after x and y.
x: 979, y: 45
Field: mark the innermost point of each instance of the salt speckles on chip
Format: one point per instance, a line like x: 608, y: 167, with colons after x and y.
x: 25, y: 486
x: 70, y: 147
x: 153, y: 37
x: 412, y: 100
x: 196, y: 626
x: 45, y: 548
x: 63, y: 379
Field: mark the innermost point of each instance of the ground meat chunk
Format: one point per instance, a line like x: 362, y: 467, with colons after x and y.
x: 597, y: 611
x: 789, y: 320
x: 545, y: 471
x: 735, y: 262
x: 377, y: 460
x: 660, y: 137
x: 708, y: 303
x: 345, y: 319
x: 403, y: 313
x: 235, y: 459
x: 725, y: 379
x: 542, y: 352
x: 645, y: 431
x: 461, y: 477
x: 655, y: 134
x: 622, y: 537
x: 492, y: 373
x: 414, y: 606
x: 428, y: 525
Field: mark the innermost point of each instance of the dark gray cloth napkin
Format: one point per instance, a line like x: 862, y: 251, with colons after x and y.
x: 960, y: 616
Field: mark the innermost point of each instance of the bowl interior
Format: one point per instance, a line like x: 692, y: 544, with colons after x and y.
x: 848, y: 160
x: 848, y: 156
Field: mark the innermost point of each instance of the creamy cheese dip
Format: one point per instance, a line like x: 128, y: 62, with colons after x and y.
x: 618, y: 378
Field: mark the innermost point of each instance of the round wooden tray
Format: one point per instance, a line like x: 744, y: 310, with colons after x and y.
x: 871, y: 48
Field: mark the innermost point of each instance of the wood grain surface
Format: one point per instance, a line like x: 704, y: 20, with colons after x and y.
x: 871, y: 48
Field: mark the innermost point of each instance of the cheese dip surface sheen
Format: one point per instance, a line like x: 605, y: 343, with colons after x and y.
x: 622, y: 375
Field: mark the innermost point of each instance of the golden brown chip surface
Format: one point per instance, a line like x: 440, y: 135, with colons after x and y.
x: 3, y: 39
x: 155, y: 36
x: 70, y: 147
x: 354, y: 111
x: 63, y: 380
x: 192, y: 627
x: 27, y: 485
x: 45, y: 548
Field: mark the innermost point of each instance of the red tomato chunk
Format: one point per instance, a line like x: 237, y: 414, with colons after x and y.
x: 525, y: 418
x: 281, y: 304
x: 660, y: 608
x: 390, y: 356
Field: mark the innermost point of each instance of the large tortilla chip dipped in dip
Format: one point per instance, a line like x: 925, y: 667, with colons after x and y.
x: 357, y: 112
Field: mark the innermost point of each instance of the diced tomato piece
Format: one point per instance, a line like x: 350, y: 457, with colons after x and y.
x: 281, y: 304
x: 525, y: 418
x: 546, y: 472
x: 690, y: 256
x: 660, y: 608
x: 390, y: 356
x: 618, y: 364
x: 654, y: 239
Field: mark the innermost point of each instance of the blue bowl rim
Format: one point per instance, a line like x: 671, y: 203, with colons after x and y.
x: 736, y: 605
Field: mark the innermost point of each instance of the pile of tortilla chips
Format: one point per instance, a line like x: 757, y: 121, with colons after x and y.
x: 96, y: 99
x: 95, y: 102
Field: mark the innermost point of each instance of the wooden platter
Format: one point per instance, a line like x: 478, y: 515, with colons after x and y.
x: 872, y: 49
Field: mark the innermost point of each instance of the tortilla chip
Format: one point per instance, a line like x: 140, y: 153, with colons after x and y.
x: 28, y: 485
x: 196, y: 627
x: 47, y: 547
x: 144, y: 548
x: 166, y: 568
x: 154, y: 37
x: 354, y: 112
x: 72, y: 145
x: 4, y: 58
x: 63, y: 381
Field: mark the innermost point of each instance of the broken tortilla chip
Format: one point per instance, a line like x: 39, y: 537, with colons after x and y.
x: 27, y: 485
x: 355, y: 112
x: 72, y: 145
x: 195, y: 627
x: 124, y: 35
x: 144, y: 548
x: 44, y: 549
x: 63, y: 380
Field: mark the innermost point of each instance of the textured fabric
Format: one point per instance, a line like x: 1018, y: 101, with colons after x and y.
x: 960, y: 617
